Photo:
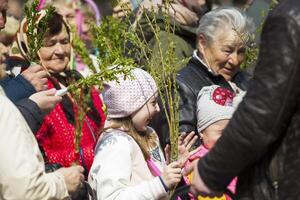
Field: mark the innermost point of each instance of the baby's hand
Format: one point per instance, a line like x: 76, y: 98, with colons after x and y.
x: 185, y: 143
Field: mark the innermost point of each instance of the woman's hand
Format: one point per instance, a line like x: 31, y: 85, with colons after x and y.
x: 73, y: 177
x: 37, y: 77
x: 185, y: 143
x: 46, y: 100
x: 198, y: 187
x: 171, y: 174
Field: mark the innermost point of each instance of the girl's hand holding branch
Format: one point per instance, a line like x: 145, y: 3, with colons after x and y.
x: 171, y: 175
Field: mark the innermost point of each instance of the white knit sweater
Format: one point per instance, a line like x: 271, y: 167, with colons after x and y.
x: 120, y: 172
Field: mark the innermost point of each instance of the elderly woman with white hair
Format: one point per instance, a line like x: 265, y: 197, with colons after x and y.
x: 222, y: 37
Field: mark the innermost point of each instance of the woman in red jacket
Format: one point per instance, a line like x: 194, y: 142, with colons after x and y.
x: 57, y: 134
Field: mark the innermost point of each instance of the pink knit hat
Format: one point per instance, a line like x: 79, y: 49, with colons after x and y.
x: 124, y: 98
x: 215, y: 103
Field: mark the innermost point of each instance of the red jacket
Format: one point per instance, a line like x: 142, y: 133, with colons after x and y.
x: 56, y: 135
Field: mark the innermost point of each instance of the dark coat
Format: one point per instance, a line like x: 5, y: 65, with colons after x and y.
x: 261, y: 142
x: 17, y: 88
x: 190, y: 80
x: 32, y: 113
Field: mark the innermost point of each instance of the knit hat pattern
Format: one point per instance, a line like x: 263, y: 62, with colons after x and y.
x: 215, y: 103
x: 128, y: 95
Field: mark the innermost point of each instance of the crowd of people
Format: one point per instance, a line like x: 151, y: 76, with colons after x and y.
x: 238, y: 132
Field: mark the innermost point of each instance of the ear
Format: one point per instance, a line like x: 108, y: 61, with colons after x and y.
x: 201, y: 43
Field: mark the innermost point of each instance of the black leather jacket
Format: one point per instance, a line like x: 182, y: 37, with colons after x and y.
x: 190, y: 80
x: 266, y: 126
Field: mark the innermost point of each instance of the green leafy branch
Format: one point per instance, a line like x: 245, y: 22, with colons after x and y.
x: 163, y: 67
x: 161, y: 63
x: 251, y: 48
x: 99, y: 78
x: 109, y: 39
x: 82, y: 51
x: 36, y: 30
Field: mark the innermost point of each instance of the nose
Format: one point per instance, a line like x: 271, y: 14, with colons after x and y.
x: 234, y: 59
x: 59, y: 49
x: 157, y: 109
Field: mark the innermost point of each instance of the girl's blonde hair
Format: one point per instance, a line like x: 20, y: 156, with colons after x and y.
x: 145, y: 141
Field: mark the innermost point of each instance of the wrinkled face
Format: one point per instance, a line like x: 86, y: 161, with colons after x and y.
x: 3, y: 9
x: 143, y: 116
x: 224, y: 55
x: 198, y: 6
x: 212, y: 133
x: 55, y: 53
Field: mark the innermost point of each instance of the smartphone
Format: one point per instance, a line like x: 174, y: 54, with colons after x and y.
x: 61, y: 92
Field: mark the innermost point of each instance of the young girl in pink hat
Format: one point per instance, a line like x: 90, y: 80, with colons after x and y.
x: 129, y: 163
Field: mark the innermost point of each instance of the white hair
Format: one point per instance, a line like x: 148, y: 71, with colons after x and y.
x: 223, y: 18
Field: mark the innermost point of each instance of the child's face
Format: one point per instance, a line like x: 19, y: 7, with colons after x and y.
x: 143, y: 116
x: 212, y: 133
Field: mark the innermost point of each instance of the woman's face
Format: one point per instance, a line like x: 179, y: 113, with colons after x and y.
x: 143, y: 116
x: 212, y: 133
x: 225, y: 54
x: 67, y: 11
x: 55, y: 53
